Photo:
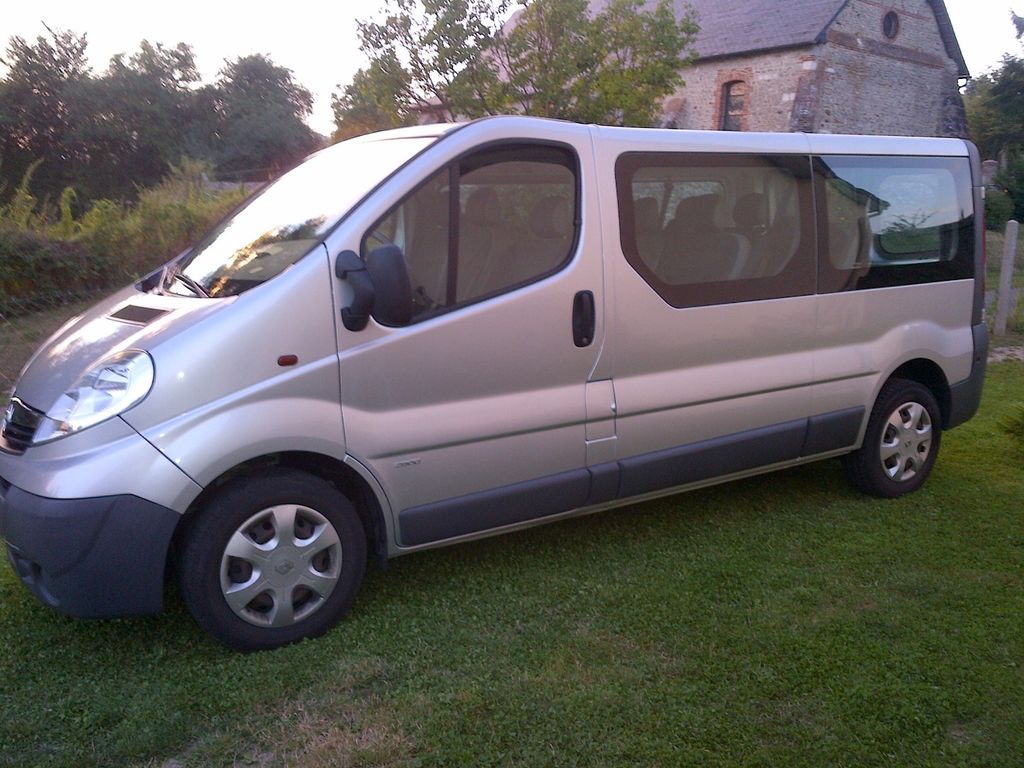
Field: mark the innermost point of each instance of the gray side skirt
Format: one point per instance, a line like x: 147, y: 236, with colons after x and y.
x: 554, y: 494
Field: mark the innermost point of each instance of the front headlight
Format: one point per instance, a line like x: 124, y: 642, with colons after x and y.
x: 111, y: 387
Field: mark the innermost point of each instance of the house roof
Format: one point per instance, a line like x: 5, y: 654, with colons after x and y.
x: 729, y: 27
x: 732, y: 27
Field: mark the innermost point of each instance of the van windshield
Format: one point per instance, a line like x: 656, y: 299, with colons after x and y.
x: 282, y: 224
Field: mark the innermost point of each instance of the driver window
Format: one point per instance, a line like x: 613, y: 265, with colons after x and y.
x: 514, y: 210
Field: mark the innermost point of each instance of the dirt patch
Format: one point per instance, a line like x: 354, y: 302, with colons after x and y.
x: 1002, y: 354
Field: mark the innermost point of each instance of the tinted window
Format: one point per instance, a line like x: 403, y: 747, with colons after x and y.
x: 491, y: 222
x: 717, y: 228
x: 894, y: 221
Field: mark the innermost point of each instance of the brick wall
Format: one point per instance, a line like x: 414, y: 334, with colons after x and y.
x: 874, y: 85
x: 772, y: 78
x: 858, y: 81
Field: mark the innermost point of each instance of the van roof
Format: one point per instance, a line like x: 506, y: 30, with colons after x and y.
x: 671, y: 139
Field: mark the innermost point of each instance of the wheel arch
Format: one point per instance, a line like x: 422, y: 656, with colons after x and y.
x: 928, y: 374
x: 342, y: 476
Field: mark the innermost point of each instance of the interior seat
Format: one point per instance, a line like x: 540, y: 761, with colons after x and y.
x: 696, y: 249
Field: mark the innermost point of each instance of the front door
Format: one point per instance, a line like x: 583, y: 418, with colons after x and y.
x: 473, y: 416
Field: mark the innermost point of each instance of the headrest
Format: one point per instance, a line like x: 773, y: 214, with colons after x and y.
x: 550, y: 218
x: 699, y: 210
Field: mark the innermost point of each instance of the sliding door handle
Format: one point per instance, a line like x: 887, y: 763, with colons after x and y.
x: 583, y: 319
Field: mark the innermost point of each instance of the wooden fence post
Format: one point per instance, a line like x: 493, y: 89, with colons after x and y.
x: 1004, y: 299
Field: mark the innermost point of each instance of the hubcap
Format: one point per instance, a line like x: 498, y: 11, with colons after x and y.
x: 280, y: 565
x: 906, y: 441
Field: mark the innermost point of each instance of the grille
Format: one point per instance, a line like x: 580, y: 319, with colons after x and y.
x: 19, y: 426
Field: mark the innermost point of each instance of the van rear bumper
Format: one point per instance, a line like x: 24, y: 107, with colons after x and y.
x: 98, y: 557
x: 965, y: 396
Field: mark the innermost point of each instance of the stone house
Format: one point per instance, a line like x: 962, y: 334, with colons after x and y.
x: 822, y: 66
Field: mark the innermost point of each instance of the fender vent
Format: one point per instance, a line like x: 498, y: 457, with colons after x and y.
x: 137, y: 315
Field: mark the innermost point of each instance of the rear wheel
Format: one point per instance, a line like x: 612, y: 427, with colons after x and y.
x: 272, y: 559
x: 901, y: 441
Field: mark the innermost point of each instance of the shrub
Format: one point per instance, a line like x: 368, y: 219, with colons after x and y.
x: 129, y: 242
x: 46, y: 252
x: 34, y: 267
x: 998, y: 209
x: 1011, y: 180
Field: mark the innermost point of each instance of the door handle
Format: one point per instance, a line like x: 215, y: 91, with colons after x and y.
x: 583, y: 318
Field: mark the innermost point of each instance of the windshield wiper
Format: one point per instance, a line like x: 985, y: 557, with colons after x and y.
x: 175, y: 273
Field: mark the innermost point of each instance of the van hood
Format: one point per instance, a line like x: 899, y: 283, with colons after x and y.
x: 130, y: 319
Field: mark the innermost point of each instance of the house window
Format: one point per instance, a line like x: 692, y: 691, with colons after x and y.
x: 735, y: 95
x: 891, y: 25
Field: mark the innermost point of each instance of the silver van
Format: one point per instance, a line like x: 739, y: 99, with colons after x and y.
x: 427, y: 335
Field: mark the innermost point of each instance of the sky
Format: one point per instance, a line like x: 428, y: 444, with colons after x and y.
x: 318, y: 42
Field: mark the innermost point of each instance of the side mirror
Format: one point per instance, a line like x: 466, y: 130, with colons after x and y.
x: 390, y: 275
x: 350, y: 267
x: 381, y: 287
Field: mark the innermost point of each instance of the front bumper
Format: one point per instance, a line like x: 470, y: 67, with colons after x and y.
x: 95, y: 557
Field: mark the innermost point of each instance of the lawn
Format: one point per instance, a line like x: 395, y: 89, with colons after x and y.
x: 783, y: 620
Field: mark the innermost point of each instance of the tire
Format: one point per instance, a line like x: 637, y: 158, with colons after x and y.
x: 901, y: 442
x: 272, y: 559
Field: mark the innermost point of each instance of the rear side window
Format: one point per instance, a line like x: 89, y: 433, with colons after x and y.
x: 890, y: 221
x: 486, y: 224
x: 706, y: 228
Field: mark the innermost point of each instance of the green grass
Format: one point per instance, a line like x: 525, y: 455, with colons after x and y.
x: 779, y: 621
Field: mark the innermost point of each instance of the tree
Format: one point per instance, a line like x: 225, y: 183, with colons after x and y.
x: 995, y: 115
x: 553, y: 58
x: 988, y: 125
x: 260, y: 124
x: 614, y: 67
x: 137, y: 114
x: 417, y: 50
x: 40, y: 107
x: 368, y: 103
x: 995, y: 105
x: 108, y: 136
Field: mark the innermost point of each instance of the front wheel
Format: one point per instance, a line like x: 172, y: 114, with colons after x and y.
x: 272, y: 559
x: 901, y: 441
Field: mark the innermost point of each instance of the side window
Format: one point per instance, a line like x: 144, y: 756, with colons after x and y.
x: 489, y: 223
x: 894, y: 221
x: 716, y: 228
x: 518, y: 213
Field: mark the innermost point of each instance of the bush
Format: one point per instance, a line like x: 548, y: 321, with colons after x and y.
x: 998, y: 209
x: 46, y: 252
x: 1011, y: 181
x: 35, y: 267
